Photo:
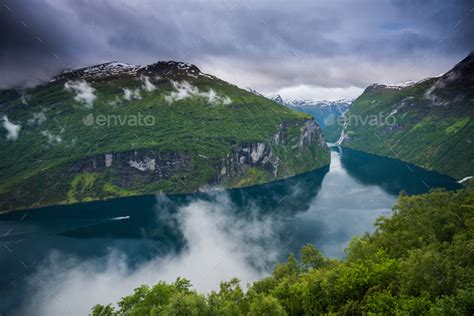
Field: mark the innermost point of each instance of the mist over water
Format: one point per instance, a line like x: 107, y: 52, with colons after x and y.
x: 219, y: 246
x: 79, y: 255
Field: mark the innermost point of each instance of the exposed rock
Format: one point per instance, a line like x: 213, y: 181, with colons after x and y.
x: 109, y: 158
x: 260, y: 154
x: 143, y: 165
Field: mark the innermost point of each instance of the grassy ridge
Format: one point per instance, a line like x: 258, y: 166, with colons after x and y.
x: 53, y: 136
x: 433, y: 122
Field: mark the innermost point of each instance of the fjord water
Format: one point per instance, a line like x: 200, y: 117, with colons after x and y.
x: 101, y: 250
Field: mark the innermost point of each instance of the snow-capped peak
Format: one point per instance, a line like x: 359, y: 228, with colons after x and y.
x: 400, y: 85
x: 277, y: 98
x: 251, y: 90
x: 321, y: 103
x: 115, y: 68
x: 102, y: 70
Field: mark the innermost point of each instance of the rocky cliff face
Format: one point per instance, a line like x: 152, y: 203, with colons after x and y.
x: 147, y: 166
x: 295, y: 148
x: 152, y: 166
x: 265, y: 155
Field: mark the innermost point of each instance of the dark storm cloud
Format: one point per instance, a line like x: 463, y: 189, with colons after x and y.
x: 266, y: 44
x: 452, y: 22
x: 24, y: 56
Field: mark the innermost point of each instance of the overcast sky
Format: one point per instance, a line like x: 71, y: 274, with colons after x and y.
x: 307, y: 49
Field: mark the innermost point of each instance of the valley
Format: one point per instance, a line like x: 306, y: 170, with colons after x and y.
x: 244, y: 158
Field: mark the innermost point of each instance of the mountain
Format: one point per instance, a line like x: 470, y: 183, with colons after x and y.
x: 116, y: 129
x: 428, y: 123
x: 324, y: 112
x: 277, y: 98
x: 254, y: 92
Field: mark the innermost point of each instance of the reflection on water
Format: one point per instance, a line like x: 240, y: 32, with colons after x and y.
x: 240, y: 232
x: 392, y: 175
x: 344, y: 207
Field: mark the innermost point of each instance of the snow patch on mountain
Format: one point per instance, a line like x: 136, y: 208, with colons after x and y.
x: 400, y: 85
x: 306, y: 102
x: 110, y: 69
x: 251, y: 90
x: 277, y: 98
x: 104, y: 70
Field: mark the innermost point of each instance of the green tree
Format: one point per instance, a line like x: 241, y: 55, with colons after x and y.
x: 311, y: 257
x: 266, y: 306
x: 103, y: 310
x: 420, y: 261
x: 186, y: 304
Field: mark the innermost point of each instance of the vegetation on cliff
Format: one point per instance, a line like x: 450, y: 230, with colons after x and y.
x: 116, y: 129
x: 428, y: 123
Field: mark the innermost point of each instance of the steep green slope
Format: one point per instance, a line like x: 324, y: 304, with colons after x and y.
x: 115, y: 129
x: 418, y: 262
x: 428, y: 123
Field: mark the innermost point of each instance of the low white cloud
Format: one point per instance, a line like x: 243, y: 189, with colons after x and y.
x: 53, y: 139
x: 13, y: 130
x: 430, y: 93
x: 38, y: 119
x: 184, y: 90
x: 219, y: 245
x: 131, y: 94
x: 147, y: 85
x: 84, y: 92
x: 319, y: 93
x: 115, y: 101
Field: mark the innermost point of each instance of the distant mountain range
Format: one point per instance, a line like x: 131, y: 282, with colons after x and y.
x: 428, y: 123
x: 324, y: 112
x: 116, y: 129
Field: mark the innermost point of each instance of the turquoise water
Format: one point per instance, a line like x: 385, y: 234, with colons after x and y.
x: 101, y: 250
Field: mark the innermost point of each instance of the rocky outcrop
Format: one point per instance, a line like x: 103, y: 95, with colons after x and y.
x: 245, y: 156
x: 151, y: 166
x: 148, y: 166
x: 310, y: 132
x: 263, y: 156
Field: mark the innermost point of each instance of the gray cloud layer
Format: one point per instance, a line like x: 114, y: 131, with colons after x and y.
x: 269, y: 45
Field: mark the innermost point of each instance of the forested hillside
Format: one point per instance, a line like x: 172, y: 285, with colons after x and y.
x: 428, y: 123
x: 114, y: 129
